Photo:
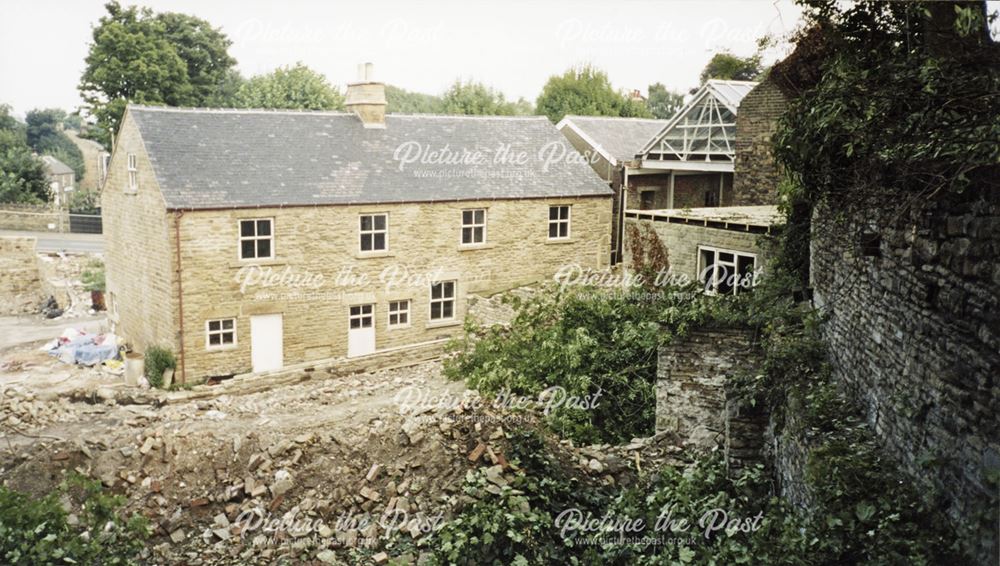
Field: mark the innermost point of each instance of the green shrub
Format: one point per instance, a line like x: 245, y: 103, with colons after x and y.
x: 36, y: 530
x: 158, y: 360
x: 595, y: 344
x: 92, y: 276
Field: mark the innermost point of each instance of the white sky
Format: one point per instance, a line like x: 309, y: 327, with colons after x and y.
x: 512, y: 45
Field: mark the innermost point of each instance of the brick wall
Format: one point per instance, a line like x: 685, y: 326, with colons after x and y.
x: 915, y: 337
x: 756, y: 173
x: 689, y: 190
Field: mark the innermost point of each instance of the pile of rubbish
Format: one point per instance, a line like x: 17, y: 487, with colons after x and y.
x: 77, y: 347
x: 50, y: 308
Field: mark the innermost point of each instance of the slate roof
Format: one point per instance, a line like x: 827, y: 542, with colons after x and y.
x: 55, y: 167
x: 248, y: 158
x: 617, y: 138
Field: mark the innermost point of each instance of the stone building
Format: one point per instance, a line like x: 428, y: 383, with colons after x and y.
x: 684, y: 182
x: 249, y: 240
x: 61, y: 180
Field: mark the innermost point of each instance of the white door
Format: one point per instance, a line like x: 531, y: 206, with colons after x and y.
x: 266, y: 342
x: 361, y: 330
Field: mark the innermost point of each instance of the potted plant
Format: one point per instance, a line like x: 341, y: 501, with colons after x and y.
x: 93, y: 281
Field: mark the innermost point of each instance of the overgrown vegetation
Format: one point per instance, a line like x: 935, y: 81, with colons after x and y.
x: 92, y: 276
x: 595, y: 344
x: 40, y: 530
x: 892, y: 103
x: 157, y: 361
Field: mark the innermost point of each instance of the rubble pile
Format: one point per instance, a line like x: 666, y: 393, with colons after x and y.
x: 324, y: 470
x: 20, y: 409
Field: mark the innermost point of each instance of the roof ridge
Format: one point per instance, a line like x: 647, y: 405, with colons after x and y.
x: 632, y: 118
x: 208, y: 110
x: 465, y: 116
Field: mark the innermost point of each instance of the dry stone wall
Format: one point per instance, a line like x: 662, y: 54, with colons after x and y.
x: 914, y: 334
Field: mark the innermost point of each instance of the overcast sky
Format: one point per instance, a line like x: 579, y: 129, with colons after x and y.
x: 423, y: 46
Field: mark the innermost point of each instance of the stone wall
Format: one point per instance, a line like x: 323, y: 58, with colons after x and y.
x: 757, y: 175
x: 321, y: 243
x: 139, y: 251
x: 914, y: 334
x: 33, y: 218
x: 691, y: 377
x: 682, y: 241
x: 21, y: 289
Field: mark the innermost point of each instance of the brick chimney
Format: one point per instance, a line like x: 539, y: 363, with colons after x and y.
x: 366, y: 98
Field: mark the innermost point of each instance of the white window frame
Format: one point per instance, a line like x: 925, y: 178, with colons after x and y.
x: 403, y: 310
x: 472, y: 226
x: 716, y: 264
x: 132, y: 165
x: 361, y: 316
x: 221, y: 332
x: 255, y: 238
x: 362, y: 233
x: 442, y: 300
x: 558, y: 221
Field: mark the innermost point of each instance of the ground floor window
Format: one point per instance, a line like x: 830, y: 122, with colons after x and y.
x: 399, y: 313
x: 443, y: 300
x: 220, y: 333
x: 726, y: 271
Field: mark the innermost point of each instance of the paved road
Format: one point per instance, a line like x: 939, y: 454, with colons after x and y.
x: 57, y: 241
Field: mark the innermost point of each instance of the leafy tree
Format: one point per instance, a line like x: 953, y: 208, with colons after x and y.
x: 226, y: 92
x: 403, y: 101
x: 297, y: 87
x: 22, y: 176
x: 585, y: 91
x: 203, y: 49
x: 664, y: 103
x: 474, y: 98
x: 148, y: 58
x: 727, y: 66
x: 44, y: 134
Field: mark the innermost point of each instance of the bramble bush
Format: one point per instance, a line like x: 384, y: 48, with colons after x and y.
x: 38, y: 531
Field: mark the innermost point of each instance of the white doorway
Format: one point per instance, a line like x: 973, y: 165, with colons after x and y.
x: 266, y: 342
x: 361, y: 330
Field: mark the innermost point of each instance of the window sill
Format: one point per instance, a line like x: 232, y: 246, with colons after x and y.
x: 256, y: 262
x: 443, y: 323
x: 373, y: 255
x: 399, y: 327
x: 473, y: 247
x: 557, y: 241
x: 222, y: 349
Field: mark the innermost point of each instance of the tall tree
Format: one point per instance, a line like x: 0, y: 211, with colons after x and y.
x: 137, y: 56
x: 22, y: 175
x: 585, y: 91
x: 402, y: 101
x: 205, y: 51
x: 45, y: 135
x: 727, y: 66
x: 664, y: 103
x: 474, y: 98
x: 297, y: 87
